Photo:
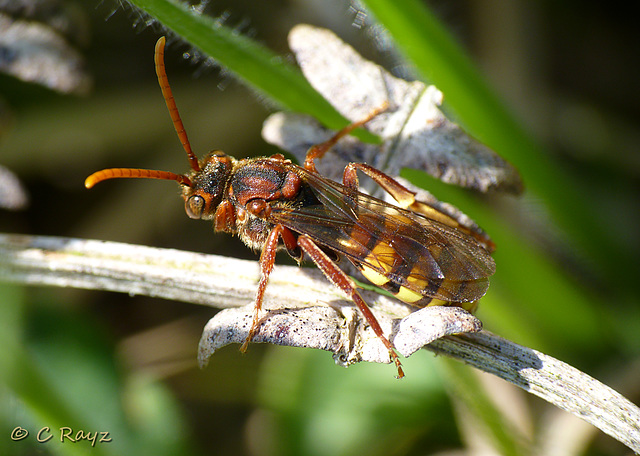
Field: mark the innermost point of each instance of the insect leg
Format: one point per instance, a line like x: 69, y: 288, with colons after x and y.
x: 267, y: 261
x: 343, y: 282
x: 319, y: 150
x: 406, y: 199
x: 403, y: 196
x: 291, y: 244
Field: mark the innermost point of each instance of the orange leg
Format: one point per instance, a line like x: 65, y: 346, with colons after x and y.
x: 319, y: 150
x: 399, y: 192
x: 406, y: 199
x: 267, y: 261
x: 342, y: 281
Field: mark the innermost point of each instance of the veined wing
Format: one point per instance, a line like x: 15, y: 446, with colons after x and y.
x: 405, y: 252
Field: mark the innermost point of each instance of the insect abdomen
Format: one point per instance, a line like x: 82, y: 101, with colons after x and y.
x: 419, y: 276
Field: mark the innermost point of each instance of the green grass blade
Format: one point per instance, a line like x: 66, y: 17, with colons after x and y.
x: 436, y: 56
x: 254, y: 64
x: 466, y: 388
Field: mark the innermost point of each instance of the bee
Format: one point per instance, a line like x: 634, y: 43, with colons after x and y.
x: 420, y: 254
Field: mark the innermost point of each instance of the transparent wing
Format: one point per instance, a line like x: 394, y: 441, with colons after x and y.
x: 405, y: 248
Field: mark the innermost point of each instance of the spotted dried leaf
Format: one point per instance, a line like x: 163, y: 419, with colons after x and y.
x: 338, y: 329
x: 414, y: 130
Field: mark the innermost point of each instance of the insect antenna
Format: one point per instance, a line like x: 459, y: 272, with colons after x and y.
x: 171, y: 104
x: 134, y: 173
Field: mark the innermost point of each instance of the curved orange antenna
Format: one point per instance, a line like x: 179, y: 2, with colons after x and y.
x: 171, y: 103
x: 133, y: 173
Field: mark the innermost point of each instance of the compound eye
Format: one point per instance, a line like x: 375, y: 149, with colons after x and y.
x: 194, y: 206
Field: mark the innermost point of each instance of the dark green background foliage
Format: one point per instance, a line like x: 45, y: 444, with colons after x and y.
x: 552, y: 87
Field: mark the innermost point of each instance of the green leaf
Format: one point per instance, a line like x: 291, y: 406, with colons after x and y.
x: 464, y: 386
x: 251, y: 62
x: 439, y: 59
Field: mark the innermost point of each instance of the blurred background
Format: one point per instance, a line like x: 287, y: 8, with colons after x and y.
x: 98, y: 361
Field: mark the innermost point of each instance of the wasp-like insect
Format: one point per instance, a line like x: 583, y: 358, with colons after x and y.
x: 420, y: 254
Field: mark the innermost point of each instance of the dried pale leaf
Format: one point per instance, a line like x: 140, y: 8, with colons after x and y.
x: 223, y: 282
x: 426, y: 325
x: 13, y: 195
x: 352, y: 84
x: 34, y: 52
x: 416, y: 133
x: 313, y: 327
x: 338, y: 329
x: 559, y: 383
x: 431, y: 142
